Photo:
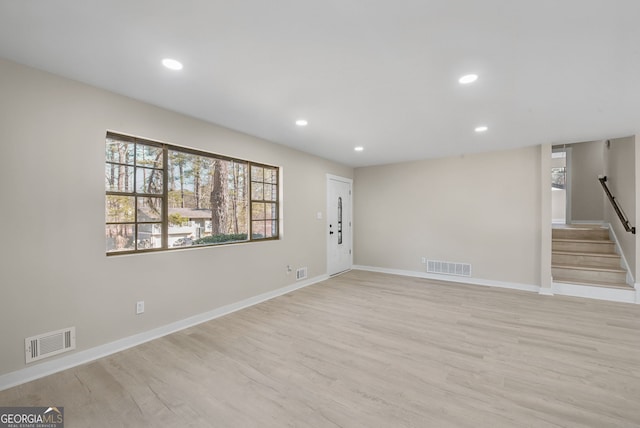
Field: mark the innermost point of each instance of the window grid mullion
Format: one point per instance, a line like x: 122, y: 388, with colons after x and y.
x: 138, y: 197
x: 165, y: 201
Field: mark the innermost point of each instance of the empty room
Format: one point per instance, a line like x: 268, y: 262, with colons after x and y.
x: 320, y: 214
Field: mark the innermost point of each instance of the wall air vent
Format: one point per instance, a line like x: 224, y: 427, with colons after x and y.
x: 49, y: 344
x: 301, y: 273
x: 448, y: 268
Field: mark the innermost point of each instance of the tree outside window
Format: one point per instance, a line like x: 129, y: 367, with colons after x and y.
x: 160, y: 196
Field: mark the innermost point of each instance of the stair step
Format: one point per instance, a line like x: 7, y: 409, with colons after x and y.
x: 586, y: 241
x: 579, y: 253
x: 604, y: 260
x: 591, y: 233
x: 585, y: 255
x: 588, y: 274
x: 591, y: 268
x: 583, y: 246
x: 619, y: 285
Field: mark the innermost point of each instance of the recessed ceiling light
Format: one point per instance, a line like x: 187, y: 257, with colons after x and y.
x: 358, y: 149
x: 468, y: 78
x: 302, y: 122
x: 481, y: 128
x: 172, y: 64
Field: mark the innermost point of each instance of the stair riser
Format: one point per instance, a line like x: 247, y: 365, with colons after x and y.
x: 591, y: 234
x: 586, y: 260
x: 587, y: 275
x: 584, y: 247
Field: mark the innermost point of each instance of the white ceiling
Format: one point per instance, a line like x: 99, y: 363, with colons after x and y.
x: 380, y: 74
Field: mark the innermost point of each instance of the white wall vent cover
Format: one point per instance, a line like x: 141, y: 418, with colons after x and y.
x: 49, y: 344
x: 301, y: 273
x: 448, y: 268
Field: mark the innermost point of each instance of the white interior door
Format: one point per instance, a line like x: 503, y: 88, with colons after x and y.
x: 339, y: 228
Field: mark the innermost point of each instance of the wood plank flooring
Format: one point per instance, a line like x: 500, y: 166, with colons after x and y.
x: 371, y: 350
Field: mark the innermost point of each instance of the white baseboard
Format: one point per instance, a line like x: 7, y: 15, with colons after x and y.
x: 72, y: 360
x: 623, y: 259
x: 561, y: 289
x: 458, y: 279
x: 546, y: 291
x: 82, y: 357
x: 600, y: 293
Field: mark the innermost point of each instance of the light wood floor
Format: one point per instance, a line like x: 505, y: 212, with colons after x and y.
x: 371, y: 350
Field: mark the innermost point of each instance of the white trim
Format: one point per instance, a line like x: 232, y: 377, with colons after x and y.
x: 562, y: 289
x: 72, y: 360
x: 340, y: 273
x: 458, y: 279
x: 600, y: 293
x: 546, y: 211
x: 546, y: 291
x: 623, y: 259
x: 599, y: 222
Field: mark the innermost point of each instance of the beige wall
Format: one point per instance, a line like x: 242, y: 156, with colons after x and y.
x: 620, y: 168
x: 587, y: 164
x: 480, y: 209
x: 636, y: 223
x: 54, y: 270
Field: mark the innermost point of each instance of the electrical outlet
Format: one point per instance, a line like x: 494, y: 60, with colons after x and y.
x: 289, y: 269
x: 140, y: 307
x: 424, y: 260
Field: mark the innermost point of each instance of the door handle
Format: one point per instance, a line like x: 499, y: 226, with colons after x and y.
x: 331, y: 232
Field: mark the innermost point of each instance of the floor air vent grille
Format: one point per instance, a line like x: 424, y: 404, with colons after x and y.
x: 49, y: 344
x: 448, y: 268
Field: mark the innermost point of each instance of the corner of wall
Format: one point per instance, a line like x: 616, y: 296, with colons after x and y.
x: 545, y: 219
x: 637, y: 219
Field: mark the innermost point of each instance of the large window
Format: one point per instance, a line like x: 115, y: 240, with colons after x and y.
x: 160, y: 196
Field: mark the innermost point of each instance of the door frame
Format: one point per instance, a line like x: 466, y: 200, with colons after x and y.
x: 349, y: 181
x: 567, y: 184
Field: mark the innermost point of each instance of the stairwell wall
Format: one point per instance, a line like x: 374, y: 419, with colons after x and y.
x: 621, y: 171
x: 587, y: 160
x: 637, y: 220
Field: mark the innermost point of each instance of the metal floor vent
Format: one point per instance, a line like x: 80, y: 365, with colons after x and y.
x: 49, y: 344
x: 448, y: 268
x: 301, y: 273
